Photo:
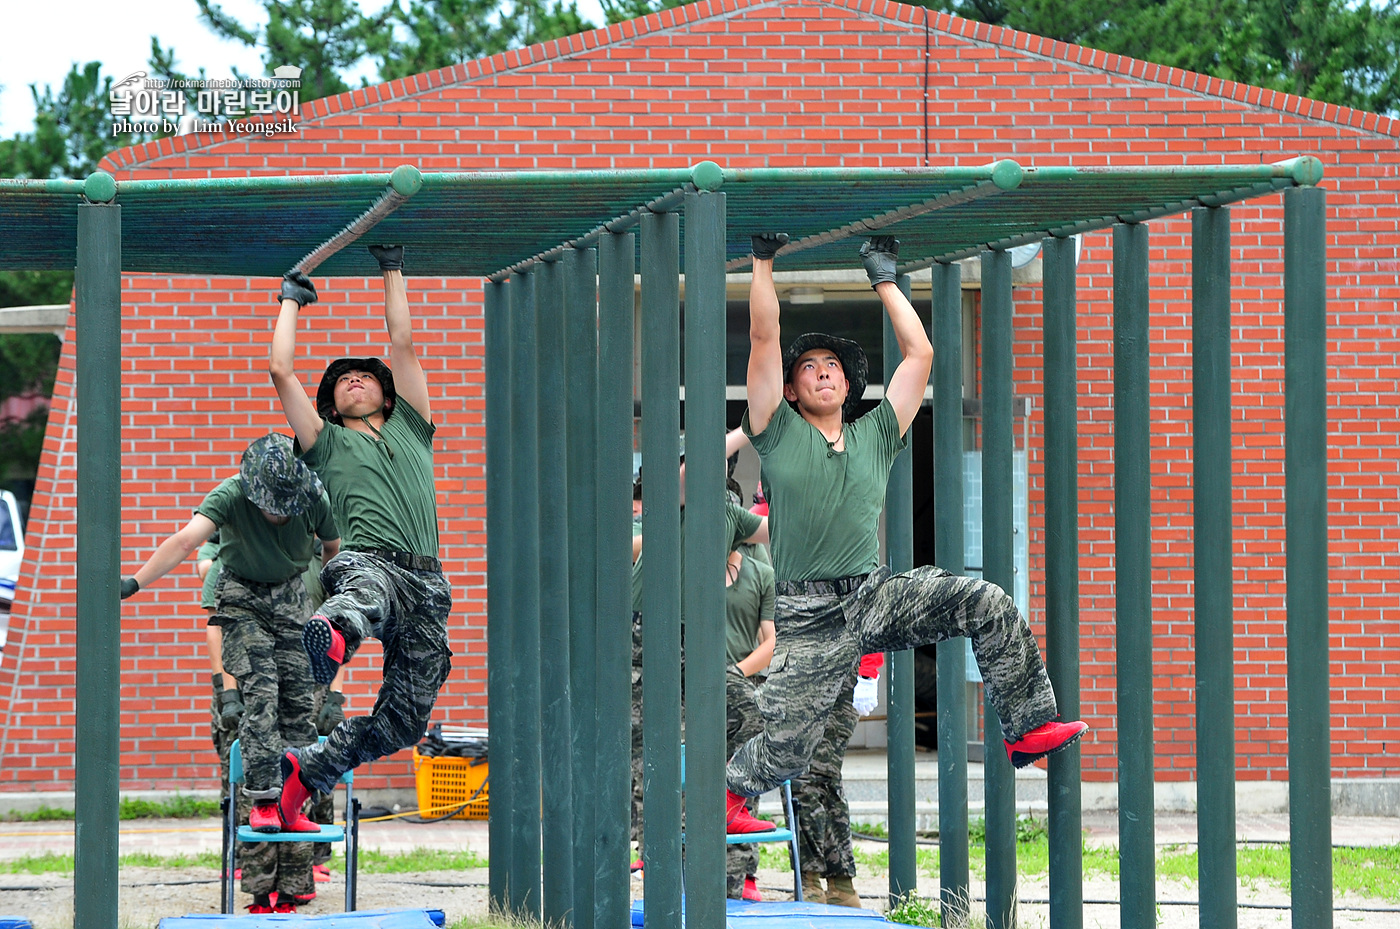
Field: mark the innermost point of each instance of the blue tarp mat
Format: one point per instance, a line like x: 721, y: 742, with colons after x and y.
x: 362, y: 919
x: 741, y: 914
x: 15, y: 922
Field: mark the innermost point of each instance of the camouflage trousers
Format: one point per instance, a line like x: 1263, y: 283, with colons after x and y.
x: 262, y: 650
x: 322, y: 801
x: 407, y: 611
x: 221, y: 735
x: 823, y: 818
x: 821, y: 636
x: 742, y: 722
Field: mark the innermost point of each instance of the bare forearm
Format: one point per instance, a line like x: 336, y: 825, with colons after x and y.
x: 908, y: 328
x: 763, y: 302
x: 166, y: 556
x: 758, y: 659
x: 398, y: 319
x: 282, y: 360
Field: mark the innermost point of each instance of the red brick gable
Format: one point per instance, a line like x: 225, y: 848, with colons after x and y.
x: 789, y: 83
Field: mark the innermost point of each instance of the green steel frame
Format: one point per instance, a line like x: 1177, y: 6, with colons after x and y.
x: 559, y: 310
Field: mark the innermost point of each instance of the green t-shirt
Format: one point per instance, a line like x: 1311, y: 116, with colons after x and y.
x: 747, y: 602
x: 739, y: 524
x: 208, y: 596
x: 382, y: 493
x: 823, y: 505
x: 258, y: 550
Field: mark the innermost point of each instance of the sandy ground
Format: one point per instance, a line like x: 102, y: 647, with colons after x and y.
x: 148, y: 894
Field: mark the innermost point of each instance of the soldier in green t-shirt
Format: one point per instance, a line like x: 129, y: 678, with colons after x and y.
x: 268, y: 518
x: 369, y: 435
x: 824, y: 478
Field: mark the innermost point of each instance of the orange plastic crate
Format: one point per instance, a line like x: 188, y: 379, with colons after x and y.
x: 445, y: 782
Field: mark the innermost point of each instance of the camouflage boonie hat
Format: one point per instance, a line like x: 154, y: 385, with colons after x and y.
x: 274, y: 479
x: 853, y: 362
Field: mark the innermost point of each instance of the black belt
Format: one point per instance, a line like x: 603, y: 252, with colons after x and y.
x: 255, y: 585
x: 838, y: 586
x: 404, y: 559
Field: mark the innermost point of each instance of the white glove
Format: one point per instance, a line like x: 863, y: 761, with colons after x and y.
x: 866, y: 696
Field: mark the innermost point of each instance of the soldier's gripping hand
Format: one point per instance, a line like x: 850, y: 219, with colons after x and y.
x: 390, y: 257
x: 297, y: 286
x: 878, y: 255
x: 766, y: 244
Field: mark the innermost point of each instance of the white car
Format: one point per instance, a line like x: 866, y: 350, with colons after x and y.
x: 11, y: 549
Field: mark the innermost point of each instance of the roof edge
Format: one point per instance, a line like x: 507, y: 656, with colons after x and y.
x: 583, y: 42
x: 1135, y: 68
x: 512, y: 59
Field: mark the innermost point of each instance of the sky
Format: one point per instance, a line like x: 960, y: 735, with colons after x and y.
x: 43, y: 39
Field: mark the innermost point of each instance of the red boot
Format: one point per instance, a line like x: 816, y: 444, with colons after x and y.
x: 325, y: 648
x: 294, y: 795
x: 1044, y: 740
x: 751, y: 890
x: 737, y: 818
x: 263, y: 817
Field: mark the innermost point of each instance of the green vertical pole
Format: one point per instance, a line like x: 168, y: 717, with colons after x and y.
x: 499, y: 615
x: 948, y: 549
x: 1132, y: 533
x: 612, y: 847
x: 1305, y: 480
x: 1211, y: 453
x: 999, y: 567
x: 1062, y: 576
x: 580, y: 270
x: 704, y: 556
x: 99, y: 321
x: 525, y: 600
x: 899, y: 544
x: 556, y: 736
x: 661, y: 580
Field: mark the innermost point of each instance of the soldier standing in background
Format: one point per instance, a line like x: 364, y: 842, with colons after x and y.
x: 267, y: 518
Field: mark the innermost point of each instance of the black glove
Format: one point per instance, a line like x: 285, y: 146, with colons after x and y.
x: 766, y: 245
x: 878, y: 255
x: 230, y: 707
x: 390, y: 257
x: 129, y: 587
x: 332, y: 712
x: 297, y: 286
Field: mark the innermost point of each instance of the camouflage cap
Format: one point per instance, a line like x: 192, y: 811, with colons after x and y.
x: 274, y: 479
x: 853, y: 362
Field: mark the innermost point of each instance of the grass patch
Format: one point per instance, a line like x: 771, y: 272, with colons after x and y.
x: 419, y: 859
x: 38, y: 864
x: 176, y: 807
x: 63, y: 864
x: 914, y: 910
x: 498, y: 921
x: 44, y: 814
x: 1370, y: 872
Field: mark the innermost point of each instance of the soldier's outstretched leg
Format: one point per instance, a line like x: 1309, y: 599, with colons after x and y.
x: 927, y: 604
x: 406, y: 609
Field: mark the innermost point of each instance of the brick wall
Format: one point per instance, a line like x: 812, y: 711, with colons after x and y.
x: 786, y: 83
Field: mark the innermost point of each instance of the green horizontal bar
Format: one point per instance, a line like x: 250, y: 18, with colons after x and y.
x: 24, y: 185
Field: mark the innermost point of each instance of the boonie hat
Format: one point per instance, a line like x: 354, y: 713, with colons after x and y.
x: 274, y: 479
x: 325, y: 394
x: 853, y: 362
